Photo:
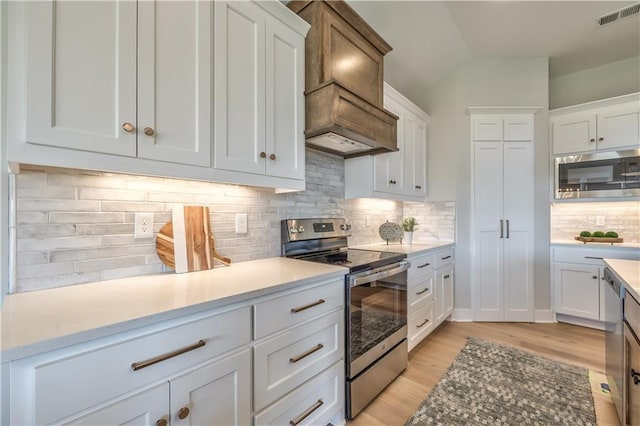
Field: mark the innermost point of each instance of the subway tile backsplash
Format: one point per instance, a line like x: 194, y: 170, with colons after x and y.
x: 569, y: 219
x: 77, y: 226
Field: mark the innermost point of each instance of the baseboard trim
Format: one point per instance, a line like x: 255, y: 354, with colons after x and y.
x: 462, y: 315
x: 599, y: 325
x: 543, y: 315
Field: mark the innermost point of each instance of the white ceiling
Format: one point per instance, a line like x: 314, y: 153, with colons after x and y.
x: 430, y: 37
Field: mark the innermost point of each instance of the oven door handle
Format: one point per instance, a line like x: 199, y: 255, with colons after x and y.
x: 374, y: 276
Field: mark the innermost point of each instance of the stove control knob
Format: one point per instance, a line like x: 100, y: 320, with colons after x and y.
x: 300, y: 228
x: 345, y: 227
x: 293, y: 230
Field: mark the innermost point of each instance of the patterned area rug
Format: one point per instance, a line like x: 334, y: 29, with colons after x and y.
x: 491, y: 384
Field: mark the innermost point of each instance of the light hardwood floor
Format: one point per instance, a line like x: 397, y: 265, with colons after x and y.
x: 429, y: 360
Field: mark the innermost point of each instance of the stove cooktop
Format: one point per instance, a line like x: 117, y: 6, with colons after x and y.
x: 358, y: 260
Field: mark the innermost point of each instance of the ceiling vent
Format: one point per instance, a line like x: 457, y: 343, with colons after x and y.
x: 634, y: 9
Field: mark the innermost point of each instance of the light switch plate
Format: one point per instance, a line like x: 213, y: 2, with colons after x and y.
x: 599, y: 220
x: 241, y: 223
x: 143, y: 225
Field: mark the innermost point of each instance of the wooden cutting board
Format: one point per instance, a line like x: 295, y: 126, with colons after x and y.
x: 186, y: 243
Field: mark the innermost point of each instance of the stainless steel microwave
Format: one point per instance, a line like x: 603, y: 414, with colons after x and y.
x: 597, y: 175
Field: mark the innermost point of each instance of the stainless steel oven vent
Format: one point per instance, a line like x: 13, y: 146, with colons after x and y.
x: 619, y: 14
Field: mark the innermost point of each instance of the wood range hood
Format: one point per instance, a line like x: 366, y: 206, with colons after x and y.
x: 344, y: 82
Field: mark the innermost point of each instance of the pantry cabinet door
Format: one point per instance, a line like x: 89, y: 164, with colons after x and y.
x: 239, y: 85
x: 174, y: 84
x: 81, y: 75
x: 285, y: 146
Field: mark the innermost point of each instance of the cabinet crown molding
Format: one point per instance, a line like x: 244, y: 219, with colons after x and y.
x: 503, y: 109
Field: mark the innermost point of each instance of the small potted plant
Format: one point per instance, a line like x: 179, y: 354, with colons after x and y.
x: 408, y: 226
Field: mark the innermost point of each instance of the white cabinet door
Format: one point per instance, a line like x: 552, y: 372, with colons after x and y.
x: 518, y: 236
x: 415, y: 148
x: 81, y: 75
x: 577, y: 290
x: 489, y: 230
x: 239, y: 82
x: 285, y: 101
x: 388, y: 168
x: 443, y: 297
x: 575, y: 133
x: 486, y: 128
x: 216, y: 394
x: 174, y: 81
x: 518, y: 128
x: 619, y: 127
x: 143, y: 409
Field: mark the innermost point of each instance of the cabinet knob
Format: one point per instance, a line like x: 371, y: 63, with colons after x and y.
x: 418, y: 187
x: 263, y: 154
x: 162, y: 422
x: 128, y: 127
x: 183, y: 413
x: 595, y: 277
x: 592, y: 140
x: 149, y: 131
x: 600, y: 139
x: 272, y: 157
x: 392, y: 182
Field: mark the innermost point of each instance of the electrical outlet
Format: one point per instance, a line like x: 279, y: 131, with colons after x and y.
x: 599, y: 220
x: 143, y: 225
x: 241, y: 223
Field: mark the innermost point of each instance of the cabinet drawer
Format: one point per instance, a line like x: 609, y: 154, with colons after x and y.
x: 289, y: 359
x: 592, y: 256
x: 420, y: 267
x: 76, y: 382
x: 321, y: 398
x: 419, y: 292
x: 420, y: 324
x: 444, y: 258
x: 285, y: 311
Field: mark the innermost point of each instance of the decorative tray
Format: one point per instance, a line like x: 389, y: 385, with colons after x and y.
x: 390, y: 231
x: 586, y: 240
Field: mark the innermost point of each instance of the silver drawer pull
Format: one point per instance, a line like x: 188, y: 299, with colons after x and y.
x: 446, y: 277
x: 303, y: 355
x: 423, y: 266
x: 423, y: 291
x: 310, y: 305
x: 593, y: 257
x: 307, y: 413
x: 146, y: 363
x: 448, y: 257
x: 422, y: 323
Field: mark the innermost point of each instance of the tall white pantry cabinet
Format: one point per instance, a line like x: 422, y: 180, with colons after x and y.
x: 503, y: 184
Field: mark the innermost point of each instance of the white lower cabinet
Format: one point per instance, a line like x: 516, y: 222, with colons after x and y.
x: 577, y: 278
x: 201, y: 369
x: 429, y: 293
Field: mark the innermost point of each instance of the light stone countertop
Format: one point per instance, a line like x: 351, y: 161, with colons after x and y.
x: 45, y: 320
x: 409, y: 249
x: 577, y: 243
x: 627, y: 271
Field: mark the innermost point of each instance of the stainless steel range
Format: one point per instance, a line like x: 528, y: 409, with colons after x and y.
x: 376, y: 304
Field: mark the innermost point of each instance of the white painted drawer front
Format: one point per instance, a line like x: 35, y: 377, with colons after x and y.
x: 592, y: 255
x: 420, y: 324
x: 444, y: 258
x: 285, y: 311
x: 421, y: 266
x: 71, y: 384
x: 324, y: 394
x: 276, y: 371
x: 421, y: 291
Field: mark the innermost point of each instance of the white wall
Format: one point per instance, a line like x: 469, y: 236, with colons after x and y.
x: 4, y: 177
x: 486, y: 82
x: 606, y: 81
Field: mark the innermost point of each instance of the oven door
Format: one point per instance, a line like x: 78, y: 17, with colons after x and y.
x: 376, y: 314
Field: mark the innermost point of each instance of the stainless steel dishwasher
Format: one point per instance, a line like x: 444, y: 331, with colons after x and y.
x: 613, y: 296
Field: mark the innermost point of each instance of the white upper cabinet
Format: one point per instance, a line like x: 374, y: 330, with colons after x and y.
x: 399, y: 175
x: 82, y: 78
x: 597, y: 126
x: 201, y: 90
x: 260, y: 115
